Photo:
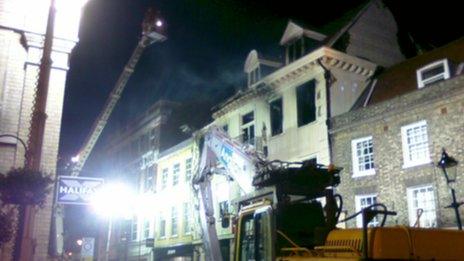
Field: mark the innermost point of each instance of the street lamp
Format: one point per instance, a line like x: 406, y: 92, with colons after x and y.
x: 449, y: 167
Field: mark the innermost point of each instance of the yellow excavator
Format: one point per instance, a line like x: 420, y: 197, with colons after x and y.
x: 281, y: 216
x: 283, y: 221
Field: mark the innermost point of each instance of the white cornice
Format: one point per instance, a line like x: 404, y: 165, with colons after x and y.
x: 330, y: 58
x: 59, y: 44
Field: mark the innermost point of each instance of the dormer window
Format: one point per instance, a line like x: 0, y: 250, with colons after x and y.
x: 432, y: 73
x: 256, y: 67
x: 254, y: 76
x: 297, y: 49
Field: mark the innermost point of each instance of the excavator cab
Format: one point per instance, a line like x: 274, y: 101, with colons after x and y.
x: 283, y: 214
x: 255, y: 234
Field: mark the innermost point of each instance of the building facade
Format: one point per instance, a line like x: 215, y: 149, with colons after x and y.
x: 130, y: 157
x: 22, y: 29
x: 285, y: 106
x: 284, y: 109
x: 390, y: 143
x: 174, y: 219
x: 139, y: 155
x: 178, y: 233
x: 283, y: 112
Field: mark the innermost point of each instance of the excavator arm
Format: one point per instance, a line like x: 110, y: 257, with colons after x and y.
x: 222, y: 155
x: 240, y: 165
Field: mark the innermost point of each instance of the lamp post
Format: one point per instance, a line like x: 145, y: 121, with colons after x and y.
x: 449, y: 167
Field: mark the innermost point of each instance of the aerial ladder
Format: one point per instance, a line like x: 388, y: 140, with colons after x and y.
x: 152, y: 32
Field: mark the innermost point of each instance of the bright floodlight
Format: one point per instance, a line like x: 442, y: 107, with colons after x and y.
x: 114, y: 200
x: 75, y: 159
x: 79, y: 242
x: 159, y: 23
x: 145, y: 206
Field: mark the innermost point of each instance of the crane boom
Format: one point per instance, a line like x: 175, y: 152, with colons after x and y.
x: 149, y: 36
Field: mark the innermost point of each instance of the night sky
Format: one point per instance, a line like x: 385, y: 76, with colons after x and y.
x: 208, y: 41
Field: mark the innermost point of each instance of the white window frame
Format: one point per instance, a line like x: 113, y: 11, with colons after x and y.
x: 164, y: 178
x: 186, y: 219
x: 161, y: 226
x: 174, y: 221
x: 430, y: 213
x: 175, y: 174
x: 445, y: 75
x: 355, y: 158
x: 407, y: 162
x: 357, y: 201
x: 147, y: 229
x: 134, y: 225
x: 247, y: 126
x: 188, y: 169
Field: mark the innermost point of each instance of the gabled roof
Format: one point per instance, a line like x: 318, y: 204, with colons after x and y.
x: 294, y: 31
x: 328, y: 34
x: 346, y: 22
x: 401, y: 78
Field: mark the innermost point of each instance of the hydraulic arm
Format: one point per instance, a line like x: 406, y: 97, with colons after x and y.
x: 239, y: 164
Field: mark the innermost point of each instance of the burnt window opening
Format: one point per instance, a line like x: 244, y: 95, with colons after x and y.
x: 225, y: 128
x: 305, y: 99
x: 276, y: 116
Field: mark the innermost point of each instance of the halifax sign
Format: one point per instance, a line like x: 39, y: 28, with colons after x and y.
x: 76, y: 190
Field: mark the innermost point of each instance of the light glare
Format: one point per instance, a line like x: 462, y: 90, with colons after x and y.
x: 75, y: 159
x: 114, y: 200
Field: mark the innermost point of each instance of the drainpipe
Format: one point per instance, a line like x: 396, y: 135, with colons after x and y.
x: 329, y: 80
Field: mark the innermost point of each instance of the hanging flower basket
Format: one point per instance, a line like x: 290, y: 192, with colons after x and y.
x: 24, y: 187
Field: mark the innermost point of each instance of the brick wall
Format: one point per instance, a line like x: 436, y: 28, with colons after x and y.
x: 441, y: 106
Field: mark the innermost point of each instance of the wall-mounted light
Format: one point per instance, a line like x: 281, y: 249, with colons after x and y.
x: 449, y: 166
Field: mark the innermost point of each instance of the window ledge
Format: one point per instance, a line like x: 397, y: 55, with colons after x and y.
x: 363, y: 174
x: 307, y: 124
x: 408, y: 165
x: 276, y: 135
